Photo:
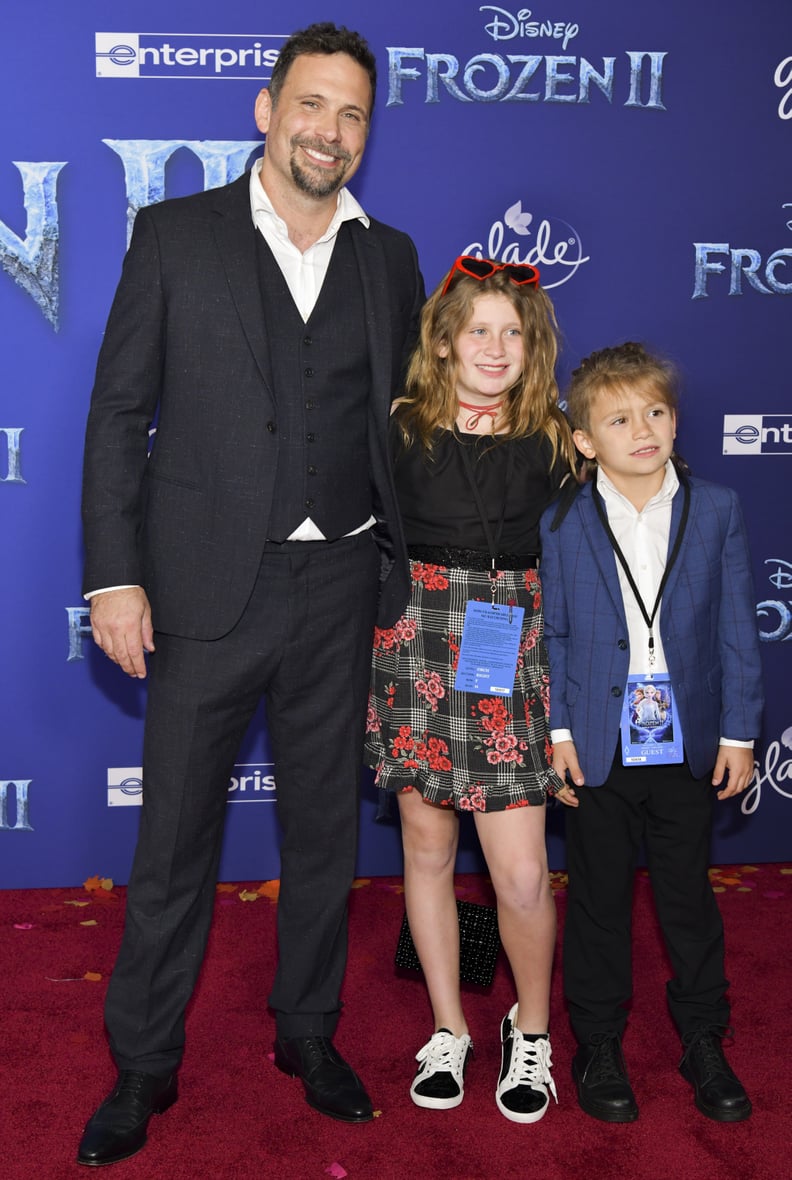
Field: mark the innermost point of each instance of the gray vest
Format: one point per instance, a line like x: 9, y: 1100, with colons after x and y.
x: 321, y: 382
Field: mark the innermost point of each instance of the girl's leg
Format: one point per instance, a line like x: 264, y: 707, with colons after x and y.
x: 513, y: 843
x: 430, y: 836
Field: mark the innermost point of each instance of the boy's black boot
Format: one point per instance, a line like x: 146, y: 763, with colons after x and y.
x: 600, y: 1075
x: 719, y: 1093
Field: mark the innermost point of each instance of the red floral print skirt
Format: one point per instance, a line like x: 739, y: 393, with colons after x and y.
x: 459, y: 749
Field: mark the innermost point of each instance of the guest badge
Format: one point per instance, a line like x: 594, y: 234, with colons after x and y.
x: 489, y: 648
x: 650, y: 729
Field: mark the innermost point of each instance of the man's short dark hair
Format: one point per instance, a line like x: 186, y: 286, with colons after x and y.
x: 324, y: 37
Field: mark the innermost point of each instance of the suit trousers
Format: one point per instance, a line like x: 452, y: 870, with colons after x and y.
x: 304, y: 645
x: 670, y: 812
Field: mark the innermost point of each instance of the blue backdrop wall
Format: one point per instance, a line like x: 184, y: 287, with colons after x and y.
x: 639, y: 154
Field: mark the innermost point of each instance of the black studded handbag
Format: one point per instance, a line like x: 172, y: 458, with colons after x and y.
x: 479, y: 943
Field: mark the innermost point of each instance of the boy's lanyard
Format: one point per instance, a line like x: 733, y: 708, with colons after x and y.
x: 493, y: 542
x: 648, y: 619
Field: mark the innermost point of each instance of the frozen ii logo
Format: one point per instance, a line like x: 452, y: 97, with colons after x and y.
x: 32, y: 260
x: 775, y: 614
x: 513, y: 75
x: 548, y: 243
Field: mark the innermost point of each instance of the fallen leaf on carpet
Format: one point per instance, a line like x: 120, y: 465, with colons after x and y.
x: 90, y: 976
x: 79, y: 903
x: 246, y: 895
x: 23, y: 925
x: 337, y: 1171
x: 90, y: 922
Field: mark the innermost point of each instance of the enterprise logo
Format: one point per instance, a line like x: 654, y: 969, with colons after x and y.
x: 251, y: 782
x: 757, y: 434
x: 187, y: 55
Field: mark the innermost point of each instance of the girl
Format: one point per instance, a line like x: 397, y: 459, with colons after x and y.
x: 480, y: 447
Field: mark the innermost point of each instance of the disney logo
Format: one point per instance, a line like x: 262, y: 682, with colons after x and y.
x: 505, y: 25
x: 772, y: 774
x: 564, y: 252
x: 782, y: 578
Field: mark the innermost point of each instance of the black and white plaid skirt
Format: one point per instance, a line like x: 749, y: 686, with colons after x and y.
x: 459, y: 749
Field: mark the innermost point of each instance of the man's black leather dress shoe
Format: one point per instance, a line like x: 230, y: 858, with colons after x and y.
x: 603, y: 1089
x: 118, y: 1129
x: 719, y: 1093
x: 331, y: 1086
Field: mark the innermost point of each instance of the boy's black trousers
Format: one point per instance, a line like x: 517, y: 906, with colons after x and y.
x: 670, y: 812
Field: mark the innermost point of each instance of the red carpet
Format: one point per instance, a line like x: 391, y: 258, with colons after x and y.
x: 238, y: 1118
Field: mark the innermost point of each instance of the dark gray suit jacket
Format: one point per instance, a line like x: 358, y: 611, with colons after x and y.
x: 186, y: 344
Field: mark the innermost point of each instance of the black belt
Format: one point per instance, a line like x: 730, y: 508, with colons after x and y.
x: 471, y: 559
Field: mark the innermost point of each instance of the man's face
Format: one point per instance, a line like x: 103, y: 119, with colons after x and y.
x: 317, y: 130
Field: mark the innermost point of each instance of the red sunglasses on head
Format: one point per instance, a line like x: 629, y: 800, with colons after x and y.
x: 520, y: 273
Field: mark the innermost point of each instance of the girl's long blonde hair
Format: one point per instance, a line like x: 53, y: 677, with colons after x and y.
x: 531, y: 405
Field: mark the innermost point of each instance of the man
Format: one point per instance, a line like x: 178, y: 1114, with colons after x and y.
x: 265, y: 324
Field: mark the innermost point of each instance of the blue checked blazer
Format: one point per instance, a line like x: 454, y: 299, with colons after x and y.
x: 707, y: 625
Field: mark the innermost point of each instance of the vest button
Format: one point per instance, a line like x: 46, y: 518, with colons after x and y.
x: 310, y: 438
x: 309, y: 503
x: 616, y: 692
x: 622, y: 645
x: 307, y: 340
x: 312, y: 471
x: 310, y: 405
x: 309, y: 372
x: 271, y: 427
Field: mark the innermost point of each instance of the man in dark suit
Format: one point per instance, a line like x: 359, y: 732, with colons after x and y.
x: 265, y: 325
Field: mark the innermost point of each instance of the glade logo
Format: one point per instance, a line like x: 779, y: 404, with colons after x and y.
x: 252, y: 782
x: 776, y: 613
x: 186, y: 55
x: 757, y: 434
x: 505, y: 25
x: 744, y: 263
x: 775, y: 773
x: 783, y: 78
x: 554, y: 246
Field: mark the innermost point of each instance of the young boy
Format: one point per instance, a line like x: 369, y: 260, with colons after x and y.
x: 646, y: 581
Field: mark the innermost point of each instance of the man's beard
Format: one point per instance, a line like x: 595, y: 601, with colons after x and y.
x: 317, y: 184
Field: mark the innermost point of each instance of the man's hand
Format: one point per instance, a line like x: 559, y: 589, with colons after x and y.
x: 565, y: 759
x: 739, y: 762
x: 121, y: 626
